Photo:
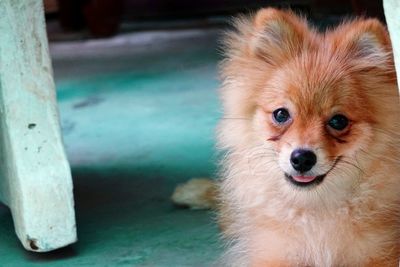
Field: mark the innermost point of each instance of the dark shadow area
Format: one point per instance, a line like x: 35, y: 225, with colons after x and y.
x: 125, y: 217
x: 62, y: 253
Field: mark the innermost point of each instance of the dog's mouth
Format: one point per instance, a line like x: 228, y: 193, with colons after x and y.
x: 306, y: 181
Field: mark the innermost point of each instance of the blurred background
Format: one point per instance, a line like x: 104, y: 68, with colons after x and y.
x: 103, y: 18
x: 137, y: 87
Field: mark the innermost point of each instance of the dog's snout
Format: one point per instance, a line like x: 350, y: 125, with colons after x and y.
x: 303, y: 160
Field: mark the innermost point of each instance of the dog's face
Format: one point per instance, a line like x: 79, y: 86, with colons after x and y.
x: 314, y: 117
x: 318, y: 101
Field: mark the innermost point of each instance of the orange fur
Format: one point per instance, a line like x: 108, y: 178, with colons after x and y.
x: 273, y: 60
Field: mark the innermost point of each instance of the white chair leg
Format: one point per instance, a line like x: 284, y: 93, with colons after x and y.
x: 392, y: 14
x: 35, y: 177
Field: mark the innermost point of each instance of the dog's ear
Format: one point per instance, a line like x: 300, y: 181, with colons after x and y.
x: 278, y: 35
x: 366, y: 41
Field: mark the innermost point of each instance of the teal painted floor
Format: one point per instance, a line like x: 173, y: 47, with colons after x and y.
x: 138, y: 114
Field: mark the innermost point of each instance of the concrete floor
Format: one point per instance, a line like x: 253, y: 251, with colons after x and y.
x: 138, y: 114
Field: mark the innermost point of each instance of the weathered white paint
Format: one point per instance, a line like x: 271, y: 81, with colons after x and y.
x: 35, y: 177
x: 392, y: 14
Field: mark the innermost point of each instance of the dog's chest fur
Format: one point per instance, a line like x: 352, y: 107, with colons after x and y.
x: 312, y: 241
x: 325, y: 230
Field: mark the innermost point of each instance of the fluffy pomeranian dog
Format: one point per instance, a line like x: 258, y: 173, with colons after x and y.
x: 311, y: 175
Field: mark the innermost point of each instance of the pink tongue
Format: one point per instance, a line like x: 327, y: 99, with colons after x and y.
x: 304, y: 179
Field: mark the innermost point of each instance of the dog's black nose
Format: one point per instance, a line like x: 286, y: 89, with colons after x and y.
x: 303, y: 160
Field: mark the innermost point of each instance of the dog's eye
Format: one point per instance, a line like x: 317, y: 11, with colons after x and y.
x: 338, y: 122
x: 281, y: 115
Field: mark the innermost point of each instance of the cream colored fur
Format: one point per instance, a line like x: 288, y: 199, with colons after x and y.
x: 351, y: 219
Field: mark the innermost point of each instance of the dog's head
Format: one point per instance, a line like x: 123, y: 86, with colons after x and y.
x: 317, y: 104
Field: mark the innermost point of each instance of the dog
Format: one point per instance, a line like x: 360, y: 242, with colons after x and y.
x: 310, y: 135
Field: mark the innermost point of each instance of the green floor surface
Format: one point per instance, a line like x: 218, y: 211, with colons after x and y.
x: 138, y: 117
